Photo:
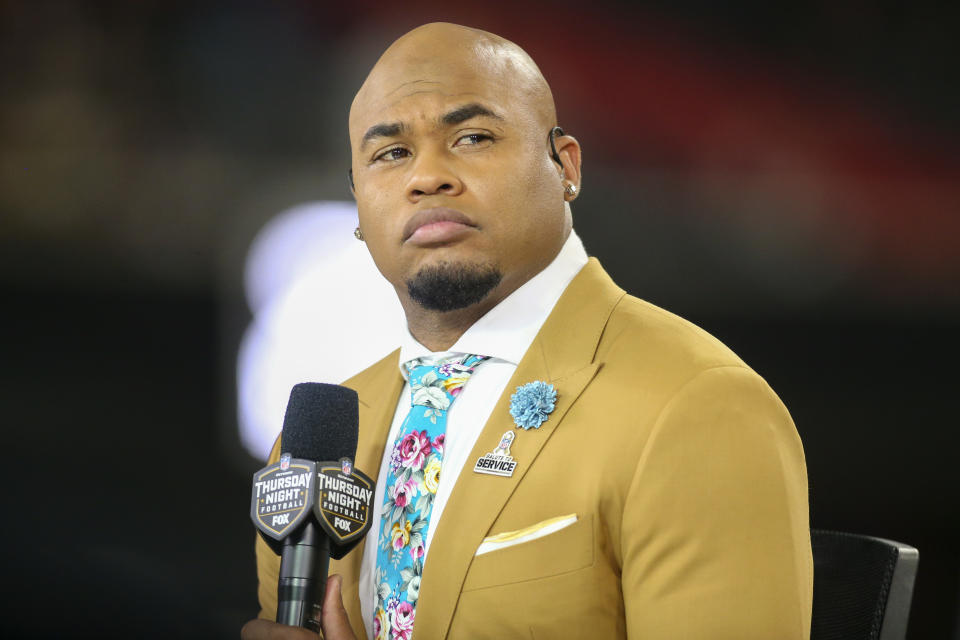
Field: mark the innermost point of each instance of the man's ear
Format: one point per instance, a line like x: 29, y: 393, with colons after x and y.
x: 569, y: 151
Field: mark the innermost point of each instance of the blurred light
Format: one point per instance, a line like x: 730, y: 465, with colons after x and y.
x: 321, y: 313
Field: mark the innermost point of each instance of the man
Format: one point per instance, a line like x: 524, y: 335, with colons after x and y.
x: 659, y: 486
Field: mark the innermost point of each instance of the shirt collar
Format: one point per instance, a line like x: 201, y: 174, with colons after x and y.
x: 506, y: 331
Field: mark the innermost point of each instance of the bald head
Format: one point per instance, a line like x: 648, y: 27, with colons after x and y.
x: 459, y: 194
x: 452, y: 59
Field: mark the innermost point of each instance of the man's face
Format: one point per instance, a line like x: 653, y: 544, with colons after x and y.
x: 451, y: 168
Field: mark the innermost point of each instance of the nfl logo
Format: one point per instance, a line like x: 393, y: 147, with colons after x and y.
x: 285, y: 461
x: 346, y: 466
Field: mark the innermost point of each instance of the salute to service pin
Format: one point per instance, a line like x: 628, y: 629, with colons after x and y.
x: 498, y: 462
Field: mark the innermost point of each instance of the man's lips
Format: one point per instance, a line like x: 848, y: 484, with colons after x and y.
x: 436, y: 226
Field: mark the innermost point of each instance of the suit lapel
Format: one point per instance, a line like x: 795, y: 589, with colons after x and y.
x: 378, y: 403
x: 378, y: 389
x: 561, y: 354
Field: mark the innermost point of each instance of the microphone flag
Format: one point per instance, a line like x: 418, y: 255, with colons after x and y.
x: 286, y: 493
x: 344, y: 504
x: 283, y: 496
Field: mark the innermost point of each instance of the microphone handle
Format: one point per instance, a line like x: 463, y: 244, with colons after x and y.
x: 303, y: 577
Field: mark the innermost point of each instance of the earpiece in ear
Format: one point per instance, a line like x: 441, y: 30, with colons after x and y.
x: 553, y: 146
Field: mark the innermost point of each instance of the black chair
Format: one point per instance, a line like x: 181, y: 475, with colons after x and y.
x: 862, y: 586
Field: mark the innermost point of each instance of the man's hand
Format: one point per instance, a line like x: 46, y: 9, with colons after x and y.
x: 259, y: 629
x: 336, y: 625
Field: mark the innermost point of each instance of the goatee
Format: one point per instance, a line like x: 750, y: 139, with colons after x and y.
x: 447, y: 286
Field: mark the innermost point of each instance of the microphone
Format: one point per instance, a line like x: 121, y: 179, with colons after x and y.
x: 319, y: 431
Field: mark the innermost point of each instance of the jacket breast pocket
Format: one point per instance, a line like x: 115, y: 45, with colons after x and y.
x: 542, y: 550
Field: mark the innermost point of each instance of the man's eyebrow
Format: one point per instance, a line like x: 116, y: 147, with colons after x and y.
x: 458, y: 115
x: 382, y: 130
x: 467, y: 111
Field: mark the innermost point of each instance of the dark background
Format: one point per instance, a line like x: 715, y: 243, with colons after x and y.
x: 786, y: 177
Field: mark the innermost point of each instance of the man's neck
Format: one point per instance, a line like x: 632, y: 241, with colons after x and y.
x: 440, y: 330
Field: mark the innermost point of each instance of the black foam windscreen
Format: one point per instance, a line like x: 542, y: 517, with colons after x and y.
x: 321, y: 422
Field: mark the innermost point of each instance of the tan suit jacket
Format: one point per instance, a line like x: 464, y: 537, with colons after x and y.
x: 683, y: 468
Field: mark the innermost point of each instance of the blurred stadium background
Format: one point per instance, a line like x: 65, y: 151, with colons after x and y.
x: 784, y: 175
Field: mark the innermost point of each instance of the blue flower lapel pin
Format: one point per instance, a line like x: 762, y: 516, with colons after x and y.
x: 532, y: 404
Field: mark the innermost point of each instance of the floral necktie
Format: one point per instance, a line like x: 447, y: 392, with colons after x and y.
x: 411, y: 485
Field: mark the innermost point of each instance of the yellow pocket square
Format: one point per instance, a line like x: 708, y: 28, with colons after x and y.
x: 534, y: 531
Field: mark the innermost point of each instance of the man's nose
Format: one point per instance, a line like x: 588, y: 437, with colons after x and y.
x: 432, y: 174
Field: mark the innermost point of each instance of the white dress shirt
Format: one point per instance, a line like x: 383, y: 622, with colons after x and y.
x: 503, y: 334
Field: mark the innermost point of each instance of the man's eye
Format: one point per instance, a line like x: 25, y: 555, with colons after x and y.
x: 473, y: 139
x: 396, y: 153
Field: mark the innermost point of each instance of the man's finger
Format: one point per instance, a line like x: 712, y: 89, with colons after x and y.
x: 336, y: 624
